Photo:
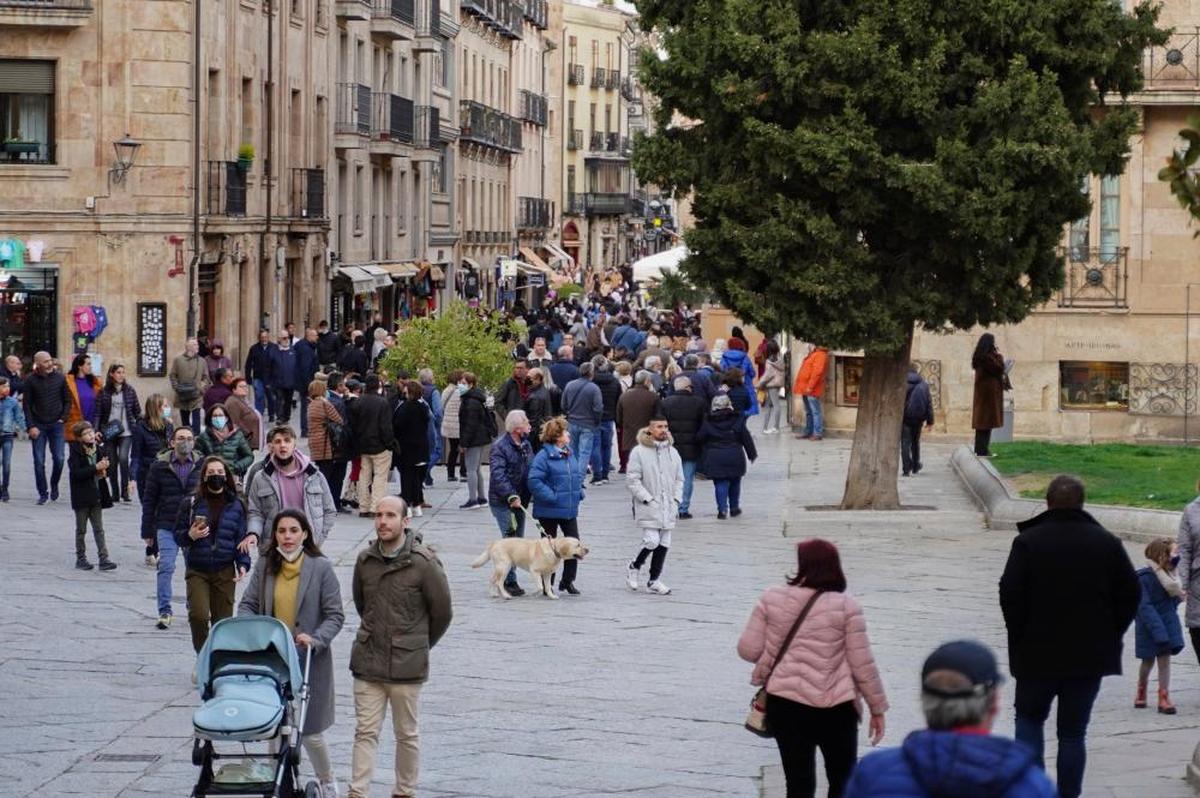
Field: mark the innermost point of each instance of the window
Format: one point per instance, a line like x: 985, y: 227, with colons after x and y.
x: 215, y: 149
x: 320, y: 13
x: 607, y: 119
x: 1080, y: 236
x: 570, y: 181
x: 27, y: 111
x: 608, y: 55
x: 402, y: 202
x: 591, y: 118
x: 441, y: 66
x: 360, y: 199
x: 441, y: 171
x: 247, y: 111
x: 296, y: 129
x: 847, y: 380
x: 1093, y: 385
x: 319, y: 131
x: 595, y: 54
x: 1110, y: 217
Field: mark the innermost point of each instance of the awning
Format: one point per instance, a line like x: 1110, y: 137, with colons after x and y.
x: 471, y: 263
x: 558, y: 253
x: 437, y: 273
x: 381, y: 277
x: 534, y: 260
x: 401, y: 271
x: 360, y: 281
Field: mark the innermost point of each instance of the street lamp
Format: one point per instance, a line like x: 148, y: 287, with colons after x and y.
x: 126, y: 149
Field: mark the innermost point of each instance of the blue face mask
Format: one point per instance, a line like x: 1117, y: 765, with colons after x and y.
x: 166, y: 412
x: 219, y: 422
x: 462, y: 388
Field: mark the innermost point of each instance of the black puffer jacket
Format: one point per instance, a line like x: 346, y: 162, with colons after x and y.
x: 610, y: 392
x: 371, y: 424
x: 476, y: 424
x: 685, y: 413
x: 163, y: 493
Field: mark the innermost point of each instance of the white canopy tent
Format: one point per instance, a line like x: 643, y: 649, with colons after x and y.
x: 653, y: 266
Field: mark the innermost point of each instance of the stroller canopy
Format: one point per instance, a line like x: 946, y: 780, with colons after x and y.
x: 249, y: 634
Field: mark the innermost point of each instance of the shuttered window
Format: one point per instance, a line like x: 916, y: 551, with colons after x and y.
x: 26, y: 77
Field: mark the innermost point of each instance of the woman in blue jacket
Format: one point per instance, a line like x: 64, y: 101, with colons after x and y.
x: 724, y: 437
x: 211, y: 530
x: 736, y: 357
x: 556, y: 483
x: 1158, y: 635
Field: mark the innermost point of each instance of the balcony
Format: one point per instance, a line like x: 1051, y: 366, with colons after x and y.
x: 575, y: 204
x: 575, y: 74
x: 429, y: 27
x: 45, y: 13
x: 308, y: 193
x: 391, y: 123
x: 629, y: 90
x: 488, y: 127
x: 503, y: 16
x: 533, y: 213
x: 352, y: 119
x: 612, y: 80
x: 537, y: 13
x: 596, y: 144
x: 353, y: 9
x: 607, y: 204
x: 533, y: 107
x: 393, y: 19
x: 599, y: 76
x: 1095, y: 277
x: 26, y: 152
x: 575, y: 140
x: 226, y: 194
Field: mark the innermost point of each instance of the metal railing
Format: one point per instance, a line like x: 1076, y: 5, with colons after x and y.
x: 353, y: 9
x: 629, y: 89
x: 596, y: 144
x: 538, y: 13
x: 533, y: 107
x: 612, y: 142
x: 391, y: 117
x: 308, y: 193
x: 1096, y: 277
x: 612, y: 80
x: 598, y: 77
x: 575, y: 74
x: 353, y: 114
x: 606, y: 204
x: 533, y: 213
x: 73, y: 5
x: 480, y: 124
x: 226, y: 195
x: 26, y: 152
x: 428, y: 126
x: 402, y: 10
x: 575, y: 204
x: 1174, y: 65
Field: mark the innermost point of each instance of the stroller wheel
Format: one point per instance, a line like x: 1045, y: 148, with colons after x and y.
x: 312, y: 790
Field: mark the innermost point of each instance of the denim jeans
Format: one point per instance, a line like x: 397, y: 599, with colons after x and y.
x: 814, y: 423
x: 167, y: 551
x: 52, y: 435
x: 504, y: 516
x: 729, y: 493
x: 602, y: 449
x: 1075, y: 698
x: 264, y: 399
x: 6, y: 444
x: 689, y: 477
x: 582, y: 439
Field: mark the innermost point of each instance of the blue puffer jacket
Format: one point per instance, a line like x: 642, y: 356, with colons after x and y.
x: 556, y: 482
x: 736, y: 358
x: 219, y: 549
x: 509, y: 472
x: 942, y: 764
x: 1156, y: 627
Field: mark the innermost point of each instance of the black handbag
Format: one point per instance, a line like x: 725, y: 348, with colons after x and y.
x: 112, y: 430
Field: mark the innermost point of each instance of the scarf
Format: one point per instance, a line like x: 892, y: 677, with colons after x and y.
x: 1168, y: 580
x: 223, y: 434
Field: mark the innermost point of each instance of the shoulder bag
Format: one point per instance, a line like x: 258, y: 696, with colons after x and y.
x: 756, y: 719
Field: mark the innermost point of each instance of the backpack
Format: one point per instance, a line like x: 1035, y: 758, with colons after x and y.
x: 335, y: 433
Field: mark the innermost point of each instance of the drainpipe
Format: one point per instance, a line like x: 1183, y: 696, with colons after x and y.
x: 269, y: 162
x: 196, y: 243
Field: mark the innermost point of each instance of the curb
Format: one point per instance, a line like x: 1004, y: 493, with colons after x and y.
x: 1003, y: 509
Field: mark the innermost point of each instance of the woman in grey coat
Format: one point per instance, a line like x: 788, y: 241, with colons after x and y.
x: 294, y: 582
x: 1189, y: 568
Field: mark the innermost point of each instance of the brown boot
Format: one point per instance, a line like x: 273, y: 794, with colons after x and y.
x: 1139, y: 701
x: 1164, y: 703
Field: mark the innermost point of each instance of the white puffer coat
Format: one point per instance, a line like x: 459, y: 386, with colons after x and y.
x: 655, y: 475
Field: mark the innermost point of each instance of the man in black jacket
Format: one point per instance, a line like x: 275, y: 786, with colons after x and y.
x: 172, y: 478
x: 685, y: 413
x: 610, y: 394
x: 47, y: 405
x: 371, y: 432
x: 354, y: 359
x: 514, y: 390
x: 918, y: 411
x: 1068, y: 594
x: 259, y: 371
x: 329, y: 344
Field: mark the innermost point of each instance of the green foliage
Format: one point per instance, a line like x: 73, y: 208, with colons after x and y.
x: 674, y: 289
x: 1162, y: 477
x: 1180, y: 172
x: 568, y: 290
x: 246, y: 152
x: 457, y: 338
x: 859, y: 166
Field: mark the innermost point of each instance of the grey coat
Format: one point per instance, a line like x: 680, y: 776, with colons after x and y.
x: 264, y: 503
x: 319, y: 615
x: 1189, y: 561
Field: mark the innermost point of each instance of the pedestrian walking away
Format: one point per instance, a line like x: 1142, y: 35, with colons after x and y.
x: 172, y: 477
x: 508, y: 484
x: 655, y: 478
x: 211, y: 531
x: 556, y: 484
x: 918, y: 411
x: 583, y: 405
x: 12, y: 419
x: 89, y: 494
x: 685, y: 413
x: 373, y: 440
x: 726, y: 443
x: 402, y: 597
x: 987, y: 401
x: 118, y: 412
x: 189, y: 380
x: 476, y: 429
x: 295, y: 583
x: 808, y: 642
x: 1158, y: 635
x: 1065, y: 624
x: 324, y: 417
x: 957, y: 754
x: 47, y: 406
x: 610, y: 393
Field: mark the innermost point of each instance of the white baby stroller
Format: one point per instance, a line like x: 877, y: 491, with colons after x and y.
x: 253, y: 689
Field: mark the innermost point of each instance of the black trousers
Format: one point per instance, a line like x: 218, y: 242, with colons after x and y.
x: 800, y: 730
x: 1195, y: 635
x: 983, y: 439
x: 454, y: 459
x: 412, y: 485
x: 910, y: 447
x: 570, y: 529
x: 283, y: 408
x: 334, y: 472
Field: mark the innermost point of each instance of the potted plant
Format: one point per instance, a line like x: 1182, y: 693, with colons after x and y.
x: 17, y: 146
x: 245, y: 157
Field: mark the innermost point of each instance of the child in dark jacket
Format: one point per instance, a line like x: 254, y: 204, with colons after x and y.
x: 1157, y: 632
x: 88, y: 474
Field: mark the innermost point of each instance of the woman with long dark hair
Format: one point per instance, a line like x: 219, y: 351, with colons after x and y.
x: 816, y: 682
x: 294, y: 582
x: 83, y: 388
x: 987, y: 404
x: 410, y: 424
x: 118, y: 412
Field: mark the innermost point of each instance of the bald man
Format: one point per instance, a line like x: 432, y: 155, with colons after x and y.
x: 47, y: 404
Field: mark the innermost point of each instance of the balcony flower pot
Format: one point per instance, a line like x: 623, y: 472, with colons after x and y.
x: 21, y: 147
x: 245, y: 157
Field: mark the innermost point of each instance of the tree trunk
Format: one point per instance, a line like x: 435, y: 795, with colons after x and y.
x: 875, y: 454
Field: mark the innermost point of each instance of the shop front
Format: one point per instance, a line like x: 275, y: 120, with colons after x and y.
x: 29, y: 310
x: 355, y: 295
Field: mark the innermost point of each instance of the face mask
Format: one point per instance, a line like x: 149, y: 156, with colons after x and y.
x: 1175, y: 561
x: 166, y: 412
x: 292, y: 556
x: 219, y: 422
x: 283, y: 462
x: 215, y: 483
x: 183, y: 448
x: 461, y: 389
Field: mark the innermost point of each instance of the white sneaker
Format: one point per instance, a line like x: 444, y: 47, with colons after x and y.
x: 418, y: 512
x: 329, y: 789
x: 151, y: 561
x: 631, y: 577
x: 658, y: 587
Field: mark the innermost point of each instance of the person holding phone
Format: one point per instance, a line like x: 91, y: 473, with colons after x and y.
x: 211, y: 529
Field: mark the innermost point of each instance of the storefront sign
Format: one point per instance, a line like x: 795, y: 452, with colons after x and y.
x: 508, y: 268
x: 152, y: 339
x: 1091, y: 346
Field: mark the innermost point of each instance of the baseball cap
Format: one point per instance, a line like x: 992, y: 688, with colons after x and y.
x: 967, y: 658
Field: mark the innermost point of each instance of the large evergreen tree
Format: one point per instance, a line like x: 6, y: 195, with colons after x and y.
x: 860, y: 167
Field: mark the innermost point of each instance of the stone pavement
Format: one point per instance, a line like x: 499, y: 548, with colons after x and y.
x: 606, y: 693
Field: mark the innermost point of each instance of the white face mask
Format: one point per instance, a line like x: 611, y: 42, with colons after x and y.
x: 294, y: 554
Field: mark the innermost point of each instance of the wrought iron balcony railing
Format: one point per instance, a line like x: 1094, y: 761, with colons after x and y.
x: 1095, y: 277
x: 575, y: 140
x: 480, y: 124
x: 226, y: 195
x: 391, y: 118
x: 575, y: 74
x: 308, y: 193
x: 598, y: 77
x: 533, y: 107
x: 353, y: 109
x: 429, y: 126
x: 533, y: 213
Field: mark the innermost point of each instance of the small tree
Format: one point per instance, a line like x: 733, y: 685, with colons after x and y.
x: 456, y: 338
x: 672, y: 289
x: 1180, y: 173
x: 861, y: 167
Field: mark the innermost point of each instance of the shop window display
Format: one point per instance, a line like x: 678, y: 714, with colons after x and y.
x: 1088, y: 385
x: 847, y: 380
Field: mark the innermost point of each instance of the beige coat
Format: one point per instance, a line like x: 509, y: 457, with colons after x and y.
x: 189, y: 371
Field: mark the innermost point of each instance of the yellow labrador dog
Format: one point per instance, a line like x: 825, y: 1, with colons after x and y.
x: 541, y: 557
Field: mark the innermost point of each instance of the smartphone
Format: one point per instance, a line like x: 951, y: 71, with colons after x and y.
x: 202, y: 520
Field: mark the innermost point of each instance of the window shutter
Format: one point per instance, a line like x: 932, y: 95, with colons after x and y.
x: 26, y: 77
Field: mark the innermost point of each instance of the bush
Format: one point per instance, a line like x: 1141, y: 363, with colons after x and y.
x: 456, y: 338
x: 246, y: 152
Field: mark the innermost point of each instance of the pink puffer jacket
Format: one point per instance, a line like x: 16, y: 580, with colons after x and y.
x: 829, y: 661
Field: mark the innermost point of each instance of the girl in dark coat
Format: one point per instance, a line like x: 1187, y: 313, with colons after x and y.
x: 726, y: 444
x: 476, y: 429
x: 987, y: 404
x: 410, y: 424
x: 1157, y: 632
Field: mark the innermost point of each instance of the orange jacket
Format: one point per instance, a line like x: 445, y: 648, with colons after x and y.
x: 811, y: 379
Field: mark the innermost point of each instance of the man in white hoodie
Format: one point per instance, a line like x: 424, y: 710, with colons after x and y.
x: 655, y: 478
